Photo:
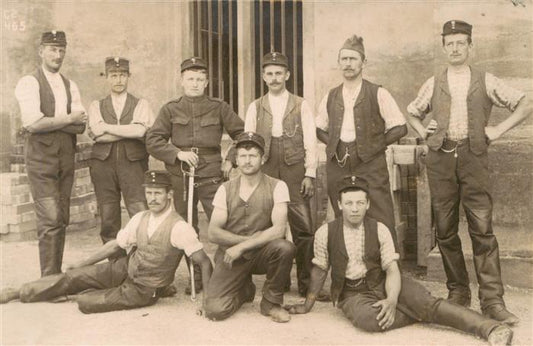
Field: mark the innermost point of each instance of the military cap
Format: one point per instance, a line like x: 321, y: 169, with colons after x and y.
x: 54, y: 38
x: 193, y: 63
x: 354, y: 43
x: 117, y: 64
x: 156, y: 178
x: 352, y: 182
x: 251, y: 137
x: 456, y: 27
x: 275, y: 58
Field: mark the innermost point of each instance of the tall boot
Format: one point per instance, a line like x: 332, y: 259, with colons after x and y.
x: 51, y: 233
x: 464, y: 319
x: 110, y: 215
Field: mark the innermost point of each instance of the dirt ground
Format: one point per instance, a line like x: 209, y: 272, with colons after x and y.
x: 174, y: 321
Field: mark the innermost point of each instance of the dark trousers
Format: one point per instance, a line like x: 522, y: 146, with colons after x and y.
x: 112, y: 177
x: 465, y: 179
x: 204, y: 192
x: 299, y: 212
x: 50, y: 168
x: 376, y: 174
x: 229, y: 287
x: 109, y: 288
x: 415, y: 304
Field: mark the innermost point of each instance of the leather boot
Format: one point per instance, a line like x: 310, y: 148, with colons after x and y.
x: 466, y: 320
x: 110, y: 214
x: 51, y: 233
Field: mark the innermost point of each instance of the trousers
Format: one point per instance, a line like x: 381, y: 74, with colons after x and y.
x: 113, y: 177
x: 375, y: 172
x: 50, y: 168
x: 415, y: 304
x: 465, y: 179
x: 299, y: 211
x: 229, y: 287
x: 105, y: 287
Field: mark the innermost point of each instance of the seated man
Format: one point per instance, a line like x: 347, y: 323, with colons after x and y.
x: 248, y: 224
x: 366, y: 281
x: 156, y: 240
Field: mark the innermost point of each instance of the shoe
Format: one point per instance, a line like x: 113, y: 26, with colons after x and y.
x: 323, y: 296
x: 8, y: 294
x: 460, y: 297
x: 499, y: 313
x: 500, y: 336
x: 275, y: 311
x: 249, y: 290
x: 197, y: 288
x: 167, y: 291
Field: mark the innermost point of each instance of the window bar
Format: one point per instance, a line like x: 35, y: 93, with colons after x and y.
x: 261, y: 43
x: 230, y: 37
x: 210, y: 44
x: 220, y: 59
x: 283, y: 26
x: 295, y: 45
x: 199, y: 50
x: 272, y: 37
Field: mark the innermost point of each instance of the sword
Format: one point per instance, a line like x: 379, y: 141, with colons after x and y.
x: 189, y: 220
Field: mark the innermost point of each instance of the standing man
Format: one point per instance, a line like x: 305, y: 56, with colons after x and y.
x: 357, y: 121
x: 52, y: 115
x: 248, y: 224
x: 366, y: 282
x: 118, y: 124
x: 194, y: 123
x: 155, y: 239
x: 461, y: 98
x: 286, y: 123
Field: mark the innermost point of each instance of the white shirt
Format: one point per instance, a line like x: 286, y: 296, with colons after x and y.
x: 142, y: 114
x: 280, y: 195
x: 182, y: 236
x: 28, y: 97
x: 390, y: 112
x: 278, y: 104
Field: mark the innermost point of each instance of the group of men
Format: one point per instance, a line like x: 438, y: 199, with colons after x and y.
x: 276, y: 153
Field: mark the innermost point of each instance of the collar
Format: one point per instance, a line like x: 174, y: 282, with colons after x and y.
x: 49, y: 74
x: 119, y: 98
x: 195, y: 99
x: 160, y: 216
x: 351, y: 96
x: 283, y: 96
x: 354, y: 229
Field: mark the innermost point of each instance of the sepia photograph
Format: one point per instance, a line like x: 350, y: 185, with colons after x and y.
x: 266, y: 172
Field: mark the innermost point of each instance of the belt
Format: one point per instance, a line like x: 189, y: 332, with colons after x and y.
x: 450, y: 146
x: 202, y: 150
x: 348, y: 283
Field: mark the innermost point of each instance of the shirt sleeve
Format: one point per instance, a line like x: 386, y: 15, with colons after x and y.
x: 75, y: 105
x: 501, y: 94
x: 422, y: 103
x: 219, y: 201
x: 281, y: 193
x: 127, y: 237
x: 27, y: 94
x: 250, y: 122
x: 322, y: 120
x: 95, y: 117
x: 386, y: 247
x: 390, y: 112
x: 320, y: 247
x: 310, y: 142
x: 184, y: 237
x: 143, y: 114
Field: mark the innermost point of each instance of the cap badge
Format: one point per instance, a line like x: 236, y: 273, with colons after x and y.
x: 117, y: 61
x: 250, y: 135
x: 354, y: 178
x: 453, y: 24
x: 193, y: 60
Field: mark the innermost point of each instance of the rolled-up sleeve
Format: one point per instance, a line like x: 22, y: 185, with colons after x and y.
x: 501, y: 94
x: 320, y: 247
x: 421, y: 105
x: 143, y: 114
x: 95, y: 117
x: 310, y: 142
x: 27, y: 94
x: 386, y: 247
x: 184, y: 237
x: 322, y: 120
x: 76, y: 105
x: 390, y: 112
x: 127, y: 237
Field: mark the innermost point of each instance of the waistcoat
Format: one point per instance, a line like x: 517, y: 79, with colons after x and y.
x: 293, y: 140
x: 369, y: 125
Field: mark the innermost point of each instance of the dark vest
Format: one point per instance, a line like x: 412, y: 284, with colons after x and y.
x: 48, y: 108
x: 254, y: 215
x: 338, y: 257
x: 369, y: 125
x: 479, y: 106
x: 134, y: 148
x: 293, y: 140
x: 155, y: 260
